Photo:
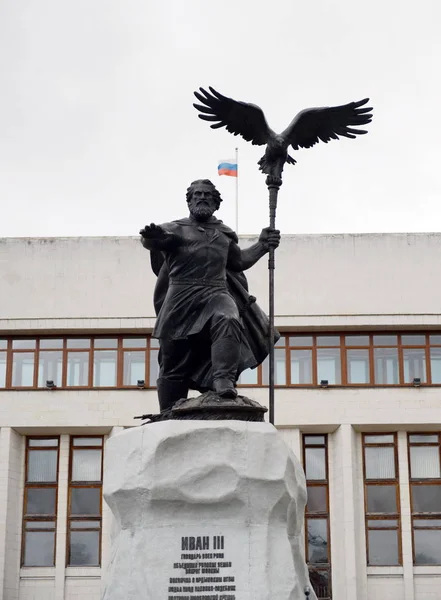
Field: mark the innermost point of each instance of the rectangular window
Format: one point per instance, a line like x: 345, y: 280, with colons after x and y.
x: 153, y: 362
x: 134, y: 355
x: 3, y: 362
x: 23, y: 368
x: 382, y: 502
x: 425, y: 492
x: 40, y: 502
x: 85, y: 501
x: 318, y: 553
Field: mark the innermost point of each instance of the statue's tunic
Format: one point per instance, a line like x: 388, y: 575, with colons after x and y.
x: 196, y: 281
x: 197, y: 288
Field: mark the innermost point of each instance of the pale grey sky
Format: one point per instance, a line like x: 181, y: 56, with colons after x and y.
x: 98, y: 135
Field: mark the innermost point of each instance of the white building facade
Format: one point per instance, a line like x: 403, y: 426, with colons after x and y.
x: 358, y: 399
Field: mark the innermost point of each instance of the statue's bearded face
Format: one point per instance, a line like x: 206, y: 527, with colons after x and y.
x: 202, y: 203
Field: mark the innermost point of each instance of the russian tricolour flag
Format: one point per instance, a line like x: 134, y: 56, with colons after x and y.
x: 227, y: 167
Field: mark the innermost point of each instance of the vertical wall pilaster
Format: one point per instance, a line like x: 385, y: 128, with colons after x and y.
x: 349, y: 575
x: 406, y: 522
x: 11, y: 499
x: 60, y: 556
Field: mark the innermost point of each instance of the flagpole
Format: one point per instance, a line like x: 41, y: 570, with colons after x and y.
x: 237, y: 191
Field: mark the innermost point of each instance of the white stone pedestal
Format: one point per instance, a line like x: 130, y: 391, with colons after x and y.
x: 205, y: 510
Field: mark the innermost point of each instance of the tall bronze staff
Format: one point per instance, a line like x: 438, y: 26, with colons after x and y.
x: 308, y: 128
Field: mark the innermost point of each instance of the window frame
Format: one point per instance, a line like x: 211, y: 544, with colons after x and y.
x: 420, y: 481
x: 324, y: 515
x: 39, y: 485
x: 84, y: 485
x: 382, y: 482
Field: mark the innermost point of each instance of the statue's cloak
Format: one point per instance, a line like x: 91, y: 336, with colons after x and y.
x: 255, y: 323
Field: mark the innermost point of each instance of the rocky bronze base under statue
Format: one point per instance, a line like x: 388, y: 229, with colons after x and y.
x: 211, y: 407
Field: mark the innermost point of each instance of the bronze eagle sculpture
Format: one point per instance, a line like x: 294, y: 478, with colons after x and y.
x: 309, y: 127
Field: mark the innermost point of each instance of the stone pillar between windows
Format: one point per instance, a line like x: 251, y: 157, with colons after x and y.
x: 63, y: 486
x: 348, y: 550
x: 11, y: 501
x: 406, y: 521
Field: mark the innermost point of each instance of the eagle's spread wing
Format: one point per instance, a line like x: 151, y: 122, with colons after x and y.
x: 323, y: 124
x: 239, y: 118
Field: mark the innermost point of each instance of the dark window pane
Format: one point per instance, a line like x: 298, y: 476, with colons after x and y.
x: 317, y: 499
x: 435, y: 339
x: 380, y: 462
x: 134, y: 342
x: 2, y: 369
x: 50, y: 365
x: 379, y: 439
x: 314, y: 440
x: 41, y: 501
x: 358, y: 366
x: 39, y: 549
x: 301, y: 366
x: 279, y: 368
x: 134, y: 367
x: 413, y: 340
x: 435, y: 364
x: 383, y: 547
x: 106, y: 343
x: 385, y: 340
x: 42, y: 466
x: 414, y: 362
x: 382, y: 523
x: 154, y: 368
x: 317, y: 531
x: 23, y: 369
x: 34, y: 442
x: 23, y: 344
x: 78, y: 343
x: 51, y: 344
x: 423, y: 438
x: 386, y: 366
x: 87, y: 441
x: 424, y: 462
x: 300, y: 340
x: 86, y: 465
x: 315, y: 467
x: 426, y: 498
x: 248, y: 377
x: 85, y: 501
x: 104, y: 368
x: 328, y: 365
x: 77, y: 369
x: 381, y: 499
x: 357, y: 340
x: 427, y: 547
x: 320, y: 583
x: 328, y: 340
x: 84, y: 548
x: 85, y: 524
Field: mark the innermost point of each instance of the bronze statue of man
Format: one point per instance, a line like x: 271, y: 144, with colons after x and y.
x: 209, y: 328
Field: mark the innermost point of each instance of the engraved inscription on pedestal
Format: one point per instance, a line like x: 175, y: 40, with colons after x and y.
x: 203, y: 571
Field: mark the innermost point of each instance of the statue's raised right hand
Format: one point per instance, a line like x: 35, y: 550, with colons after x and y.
x: 153, y: 232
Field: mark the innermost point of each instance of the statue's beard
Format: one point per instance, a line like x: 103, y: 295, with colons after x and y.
x: 201, y: 212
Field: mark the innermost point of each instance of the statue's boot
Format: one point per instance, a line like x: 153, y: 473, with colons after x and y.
x: 225, y: 355
x: 170, y: 391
